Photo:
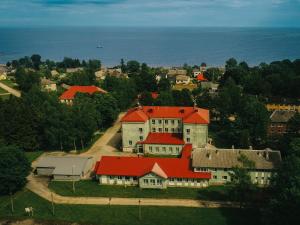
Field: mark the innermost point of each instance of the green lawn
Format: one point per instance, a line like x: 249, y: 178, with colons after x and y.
x: 125, y: 215
x: 9, y: 83
x: 2, y: 91
x: 92, y: 188
x: 31, y: 156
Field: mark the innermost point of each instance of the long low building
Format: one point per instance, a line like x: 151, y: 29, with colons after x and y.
x: 151, y: 172
x: 65, y: 167
x: 219, y: 162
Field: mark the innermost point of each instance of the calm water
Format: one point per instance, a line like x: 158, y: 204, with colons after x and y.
x: 156, y: 46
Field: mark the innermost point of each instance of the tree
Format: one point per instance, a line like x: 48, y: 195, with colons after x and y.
x: 284, y: 205
x: 146, y: 98
x: 241, y: 184
x: 182, y: 98
x: 123, y: 66
x: 294, y: 147
x: 133, y: 67
x: 26, y: 80
x: 164, y: 84
x: 213, y: 74
x: 36, y: 61
x: 294, y: 125
x: 94, y: 65
x: 14, y: 168
x: 165, y: 98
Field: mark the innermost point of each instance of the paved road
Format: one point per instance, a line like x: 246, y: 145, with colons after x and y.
x: 38, y: 186
x: 10, y: 90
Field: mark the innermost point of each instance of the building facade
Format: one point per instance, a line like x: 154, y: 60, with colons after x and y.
x: 219, y: 162
x: 164, y: 130
x: 279, y: 122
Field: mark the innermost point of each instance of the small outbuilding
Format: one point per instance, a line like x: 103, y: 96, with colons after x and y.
x: 65, y: 167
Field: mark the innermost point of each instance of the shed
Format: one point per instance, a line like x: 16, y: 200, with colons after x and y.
x: 65, y: 167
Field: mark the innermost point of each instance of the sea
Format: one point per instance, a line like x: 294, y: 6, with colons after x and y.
x: 157, y: 46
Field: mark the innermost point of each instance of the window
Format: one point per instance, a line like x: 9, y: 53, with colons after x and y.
x: 164, y: 149
x: 159, y: 182
x: 170, y: 149
x: 153, y: 130
x: 179, y: 121
x: 159, y: 129
x: 172, y: 121
x: 153, y: 121
x: 127, y: 178
x: 224, y: 177
x: 134, y: 178
x: 130, y: 142
x: 166, y: 121
x: 140, y: 129
x: 173, y: 130
x: 166, y: 129
x: 188, y: 131
x: 179, y: 179
x: 172, y: 179
x: 111, y: 177
x: 177, y: 149
x: 188, y: 140
x: 146, y: 181
x: 215, y: 177
x: 157, y: 149
x: 141, y: 138
x: 159, y: 121
x: 152, y: 181
x: 150, y: 148
x: 119, y: 177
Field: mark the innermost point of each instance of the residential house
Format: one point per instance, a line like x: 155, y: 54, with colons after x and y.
x: 100, y: 74
x: 48, y: 85
x: 147, y: 172
x: 65, y: 167
x: 200, y: 78
x: 283, y: 107
x: 74, y: 70
x: 3, y: 72
x: 54, y: 73
x: 278, y: 122
x: 163, y: 130
x: 69, y: 95
x: 173, y: 73
x: 182, y: 79
x: 219, y: 162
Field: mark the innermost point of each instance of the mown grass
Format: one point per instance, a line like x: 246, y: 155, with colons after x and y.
x: 124, y: 215
x: 31, y: 156
x: 92, y: 188
x: 9, y: 83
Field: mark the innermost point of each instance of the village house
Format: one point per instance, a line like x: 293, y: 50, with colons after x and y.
x: 147, y: 172
x: 3, y: 72
x: 48, y: 85
x: 54, y: 73
x: 219, y: 162
x: 182, y: 79
x: 69, y: 95
x: 163, y: 130
x: 74, y: 70
x: 278, y: 122
x: 64, y: 167
x: 282, y: 107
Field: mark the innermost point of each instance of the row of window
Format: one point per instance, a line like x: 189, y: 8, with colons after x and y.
x: 173, y: 130
x: 166, y: 121
x: 164, y: 149
x: 152, y: 181
x: 120, y: 178
x: 185, y: 180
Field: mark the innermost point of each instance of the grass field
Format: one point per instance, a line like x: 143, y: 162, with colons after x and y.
x: 125, y: 215
x: 9, y: 83
x: 31, y: 156
x: 92, y: 188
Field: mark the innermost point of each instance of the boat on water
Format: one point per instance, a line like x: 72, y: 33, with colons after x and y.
x: 99, y: 46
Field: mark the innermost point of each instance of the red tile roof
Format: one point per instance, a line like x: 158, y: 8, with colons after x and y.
x: 139, y: 166
x: 163, y: 138
x: 73, y: 90
x: 201, y: 77
x: 187, y: 114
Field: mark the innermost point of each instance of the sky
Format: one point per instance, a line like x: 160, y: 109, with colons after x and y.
x: 199, y: 13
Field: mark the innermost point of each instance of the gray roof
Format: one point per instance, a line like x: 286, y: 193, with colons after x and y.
x: 228, y: 158
x: 281, y: 116
x: 182, y: 77
x: 64, y: 165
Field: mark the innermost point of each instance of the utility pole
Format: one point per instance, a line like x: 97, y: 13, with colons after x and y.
x: 140, y: 210
x: 12, y: 203
x: 52, y: 203
x: 73, y: 178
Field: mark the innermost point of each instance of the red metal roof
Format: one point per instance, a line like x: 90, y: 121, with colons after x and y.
x: 163, y: 138
x: 201, y: 77
x: 73, y: 90
x: 139, y: 166
x: 188, y: 114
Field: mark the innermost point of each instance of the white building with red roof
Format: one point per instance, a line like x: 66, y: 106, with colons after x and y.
x: 69, y: 95
x: 164, y: 130
x: 147, y: 172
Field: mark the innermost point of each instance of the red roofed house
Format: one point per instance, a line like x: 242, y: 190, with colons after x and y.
x: 69, y: 95
x: 151, y: 172
x: 200, y: 77
x: 163, y: 130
